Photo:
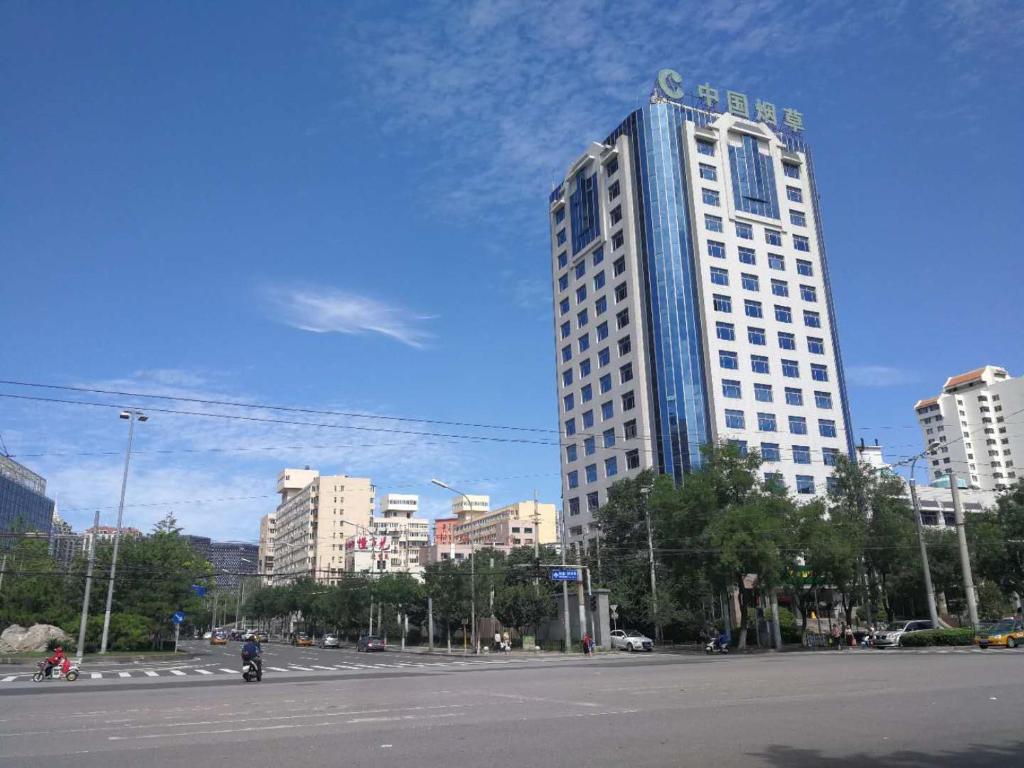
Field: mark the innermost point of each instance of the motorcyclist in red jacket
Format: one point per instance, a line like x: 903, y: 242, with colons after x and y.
x: 57, y: 658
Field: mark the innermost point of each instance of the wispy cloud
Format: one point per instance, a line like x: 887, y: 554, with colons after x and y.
x: 878, y: 376
x: 334, y: 311
x: 513, y: 90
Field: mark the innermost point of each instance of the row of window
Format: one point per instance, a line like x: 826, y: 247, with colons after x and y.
x: 744, y: 230
x: 608, y: 440
x: 753, y: 308
x: 712, y: 198
x: 759, y: 363
x: 607, y: 410
x: 587, y: 390
x: 583, y: 342
x: 716, y: 249
x: 792, y: 170
x: 632, y: 458
x: 751, y: 282
x: 768, y: 422
x: 600, y: 306
x: 790, y: 369
x: 580, y: 270
x: 765, y: 393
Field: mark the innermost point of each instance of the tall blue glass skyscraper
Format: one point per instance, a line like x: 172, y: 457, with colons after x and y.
x: 692, y: 305
x: 24, y: 506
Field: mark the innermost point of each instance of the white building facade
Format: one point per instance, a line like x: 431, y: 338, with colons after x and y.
x: 978, y: 440
x: 692, y: 305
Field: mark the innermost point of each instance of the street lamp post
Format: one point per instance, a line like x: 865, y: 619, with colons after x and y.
x: 472, y: 566
x: 238, y: 597
x: 131, y: 415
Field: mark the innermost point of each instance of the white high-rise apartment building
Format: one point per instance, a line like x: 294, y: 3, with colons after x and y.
x: 317, y: 513
x: 268, y: 528
x: 395, y: 538
x: 978, y: 426
x: 692, y: 303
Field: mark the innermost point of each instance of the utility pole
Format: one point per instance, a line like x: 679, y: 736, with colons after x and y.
x: 88, y: 586
x: 565, y: 588
x: 536, y: 526
x: 3, y: 570
x: 580, y: 595
x: 928, y: 588
x: 430, y: 623
x: 650, y: 555
x: 965, y: 555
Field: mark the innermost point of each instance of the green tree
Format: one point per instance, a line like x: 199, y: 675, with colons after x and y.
x: 447, y: 583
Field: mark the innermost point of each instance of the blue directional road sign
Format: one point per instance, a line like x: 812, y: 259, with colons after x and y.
x: 564, y: 574
x: 177, y: 617
x: 200, y: 591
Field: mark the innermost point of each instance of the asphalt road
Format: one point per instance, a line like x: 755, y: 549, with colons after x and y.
x: 801, y: 709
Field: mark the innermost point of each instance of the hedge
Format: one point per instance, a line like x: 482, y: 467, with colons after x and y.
x: 938, y: 637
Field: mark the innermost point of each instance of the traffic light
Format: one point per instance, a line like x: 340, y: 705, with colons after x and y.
x: 593, y: 603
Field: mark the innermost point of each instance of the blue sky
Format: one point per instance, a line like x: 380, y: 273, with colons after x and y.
x: 343, y: 207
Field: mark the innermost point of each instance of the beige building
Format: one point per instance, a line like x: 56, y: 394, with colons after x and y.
x: 316, y: 515
x: 268, y: 525
x: 521, y: 524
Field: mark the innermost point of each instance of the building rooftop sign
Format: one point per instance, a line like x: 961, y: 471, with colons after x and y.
x: 669, y: 87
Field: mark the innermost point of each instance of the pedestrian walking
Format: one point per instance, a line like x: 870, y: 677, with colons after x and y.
x: 850, y: 642
x: 835, y: 636
x: 506, y: 643
x: 497, y: 641
x: 586, y: 644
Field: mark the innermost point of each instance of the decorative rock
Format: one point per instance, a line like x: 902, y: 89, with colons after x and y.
x: 16, y: 639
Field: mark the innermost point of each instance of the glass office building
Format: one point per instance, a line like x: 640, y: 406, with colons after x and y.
x: 24, y: 505
x: 692, y: 305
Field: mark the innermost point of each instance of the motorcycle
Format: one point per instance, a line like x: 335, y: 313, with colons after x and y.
x: 67, y: 670
x: 252, y: 669
x: 716, y: 645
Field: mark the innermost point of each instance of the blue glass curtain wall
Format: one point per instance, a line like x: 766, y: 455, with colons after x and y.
x: 674, y: 323
x: 753, y: 180
x: 585, y: 211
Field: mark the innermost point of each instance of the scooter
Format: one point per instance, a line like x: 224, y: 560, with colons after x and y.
x: 716, y: 645
x: 66, y: 670
x: 252, y: 669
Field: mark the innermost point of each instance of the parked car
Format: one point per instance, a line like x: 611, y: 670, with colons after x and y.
x: 1006, y: 633
x: 370, y: 643
x: 329, y: 641
x: 892, y: 635
x: 631, y: 640
x: 303, y: 640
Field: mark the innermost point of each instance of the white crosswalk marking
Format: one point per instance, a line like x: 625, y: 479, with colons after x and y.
x: 301, y: 669
x: 278, y: 669
x: 229, y: 671
x: 124, y: 674
x: 203, y: 672
x: 177, y: 672
x: 317, y: 666
x: 150, y: 673
x: 9, y: 678
x: 95, y: 675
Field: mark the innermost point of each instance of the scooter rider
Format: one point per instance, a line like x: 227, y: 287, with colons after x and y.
x: 251, y: 653
x: 58, y: 659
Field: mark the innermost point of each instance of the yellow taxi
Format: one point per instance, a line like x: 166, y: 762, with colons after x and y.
x: 303, y: 640
x: 219, y: 638
x: 1006, y: 633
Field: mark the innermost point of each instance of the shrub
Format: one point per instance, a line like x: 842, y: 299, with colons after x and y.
x: 938, y: 637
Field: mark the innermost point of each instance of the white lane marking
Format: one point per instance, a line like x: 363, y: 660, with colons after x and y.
x: 177, y: 672
x: 203, y: 672
x: 9, y: 678
x: 344, y: 666
x: 301, y: 669
x: 95, y: 676
x: 279, y: 669
x: 229, y: 671
x: 124, y: 674
x: 150, y: 673
x: 317, y: 666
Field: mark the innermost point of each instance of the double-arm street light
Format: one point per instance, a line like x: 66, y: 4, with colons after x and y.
x: 131, y: 415
x: 472, y: 564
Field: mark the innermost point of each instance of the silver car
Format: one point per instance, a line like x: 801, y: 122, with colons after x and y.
x: 892, y: 635
x: 631, y: 640
x: 330, y: 641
